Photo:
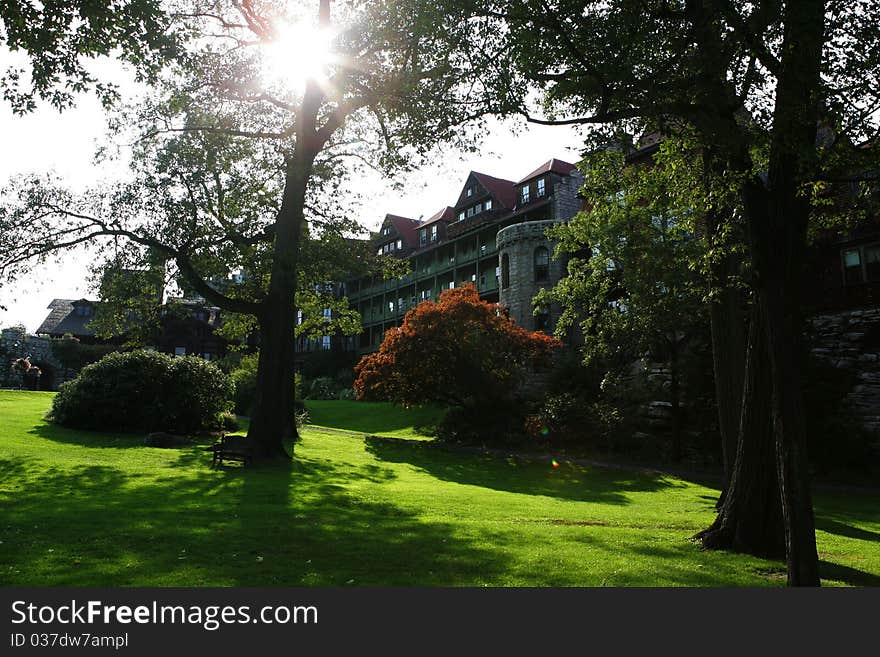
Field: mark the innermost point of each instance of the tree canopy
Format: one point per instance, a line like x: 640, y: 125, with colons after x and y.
x: 235, y: 166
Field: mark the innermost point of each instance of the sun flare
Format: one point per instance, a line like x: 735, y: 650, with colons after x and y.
x: 298, y: 53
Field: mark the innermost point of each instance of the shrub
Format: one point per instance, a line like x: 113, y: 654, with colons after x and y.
x: 459, y: 351
x: 324, y: 387
x: 144, y: 391
x: 245, y: 379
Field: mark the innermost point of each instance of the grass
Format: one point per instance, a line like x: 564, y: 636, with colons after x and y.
x: 87, y: 509
x: 375, y: 418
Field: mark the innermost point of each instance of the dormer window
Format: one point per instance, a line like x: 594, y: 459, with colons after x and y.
x: 434, y: 233
x: 83, y: 310
x: 423, y: 237
x: 399, y: 245
x: 487, y: 204
x: 478, y: 208
x: 461, y: 216
x: 469, y: 192
x: 470, y: 213
x: 541, y: 189
x: 524, y: 193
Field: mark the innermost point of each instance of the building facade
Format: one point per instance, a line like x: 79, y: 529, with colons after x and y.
x: 493, y: 238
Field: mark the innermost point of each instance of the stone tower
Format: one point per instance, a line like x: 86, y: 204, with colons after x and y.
x: 525, y: 258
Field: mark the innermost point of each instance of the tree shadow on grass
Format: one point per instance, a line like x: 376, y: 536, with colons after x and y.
x: 293, y: 526
x: 568, y: 481
x: 842, y: 529
x: 852, y: 576
x: 86, y: 437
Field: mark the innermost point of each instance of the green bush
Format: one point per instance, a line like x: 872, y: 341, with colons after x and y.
x: 324, y: 387
x: 245, y: 379
x: 144, y: 391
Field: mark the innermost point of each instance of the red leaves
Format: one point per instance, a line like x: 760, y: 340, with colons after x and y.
x: 457, y: 350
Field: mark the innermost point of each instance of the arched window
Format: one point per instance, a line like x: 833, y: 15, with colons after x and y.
x: 505, y: 271
x: 542, y: 264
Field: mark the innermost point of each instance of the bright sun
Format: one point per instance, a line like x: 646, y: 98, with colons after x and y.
x: 299, y: 53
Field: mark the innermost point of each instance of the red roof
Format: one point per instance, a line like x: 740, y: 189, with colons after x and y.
x: 405, y: 226
x: 554, y: 166
x: 447, y: 214
x: 503, y: 190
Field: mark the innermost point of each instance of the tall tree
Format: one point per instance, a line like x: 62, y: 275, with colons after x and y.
x: 375, y: 82
x: 59, y: 38
x: 639, y: 291
x: 753, y: 80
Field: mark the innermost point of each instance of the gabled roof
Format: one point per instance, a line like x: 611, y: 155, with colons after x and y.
x: 404, y: 226
x: 553, y: 166
x: 446, y: 215
x: 64, y: 319
x: 504, y: 191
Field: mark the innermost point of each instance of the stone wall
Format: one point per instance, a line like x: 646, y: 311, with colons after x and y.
x: 519, y: 242
x: 851, y: 340
x: 15, y: 343
x: 566, y: 203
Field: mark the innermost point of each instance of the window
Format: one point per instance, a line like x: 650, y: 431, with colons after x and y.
x: 542, y: 321
x: 542, y: 264
x: 478, y: 208
x: 872, y: 262
x: 328, y: 314
x: 470, y: 192
x: 390, y: 306
x: 505, y: 271
x: 83, y: 310
x: 483, y: 249
x: 379, y: 252
x: 299, y: 317
x: 180, y: 351
x: 452, y: 285
x: 541, y: 189
x: 470, y: 213
x: 461, y: 216
x: 473, y: 278
x: 423, y: 237
x: 206, y: 355
x: 386, y: 230
x: 487, y: 205
x: 861, y: 264
x: 524, y: 193
x: 325, y: 343
x: 852, y: 266
x: 434, y: 233
x: 399, y: 245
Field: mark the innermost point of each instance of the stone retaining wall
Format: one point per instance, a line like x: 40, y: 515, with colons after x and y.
x: 851, y: 340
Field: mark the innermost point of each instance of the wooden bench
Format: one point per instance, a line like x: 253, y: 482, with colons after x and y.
x: 232, y: 448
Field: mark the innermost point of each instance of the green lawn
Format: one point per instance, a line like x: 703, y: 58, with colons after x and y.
x: 375, y: 418
x: 79, y: 508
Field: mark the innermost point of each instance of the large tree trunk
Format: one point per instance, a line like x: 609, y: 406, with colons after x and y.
x: 272, y: 422
x: 750, y: 517
x: 778, y: 219
x: 727, y: 324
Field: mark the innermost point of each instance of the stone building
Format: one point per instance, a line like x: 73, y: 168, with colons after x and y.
x: 492, y: 238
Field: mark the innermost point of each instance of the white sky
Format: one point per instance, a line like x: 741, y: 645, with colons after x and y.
x: 65, y: 143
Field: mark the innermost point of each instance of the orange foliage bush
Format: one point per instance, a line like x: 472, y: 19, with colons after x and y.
x: 457, y: 351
